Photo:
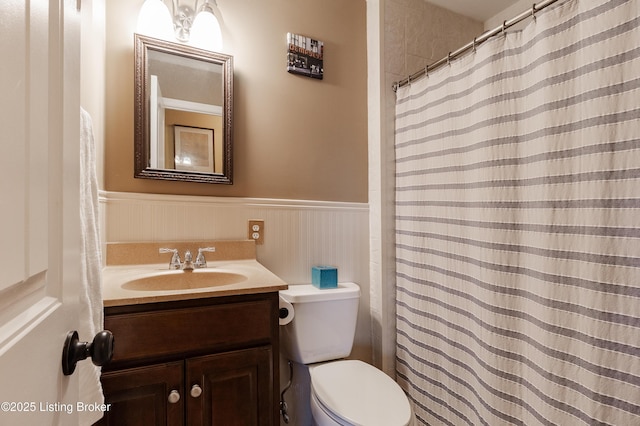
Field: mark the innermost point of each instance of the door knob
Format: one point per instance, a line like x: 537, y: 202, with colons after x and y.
x: 100, y: 350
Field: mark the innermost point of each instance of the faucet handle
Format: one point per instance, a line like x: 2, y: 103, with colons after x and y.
x: 175, y: 262
x: 201, y: 262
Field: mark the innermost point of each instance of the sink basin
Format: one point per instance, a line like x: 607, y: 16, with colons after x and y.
x: 125, y: 285
x: 184, y: 280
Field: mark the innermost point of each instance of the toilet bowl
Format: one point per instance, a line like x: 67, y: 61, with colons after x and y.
x: 354, y: 393
x: 342, y: 392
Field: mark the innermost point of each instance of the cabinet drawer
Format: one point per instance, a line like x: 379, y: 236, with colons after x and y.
x: 171, y: 333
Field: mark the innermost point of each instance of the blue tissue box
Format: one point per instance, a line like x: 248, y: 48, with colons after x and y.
x: 324, y: 276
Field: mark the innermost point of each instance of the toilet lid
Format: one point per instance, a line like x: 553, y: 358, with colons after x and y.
x: 360, y: 394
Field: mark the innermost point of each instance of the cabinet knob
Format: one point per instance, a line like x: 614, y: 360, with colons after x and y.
x: 174, y: 397
x: 196, y: 391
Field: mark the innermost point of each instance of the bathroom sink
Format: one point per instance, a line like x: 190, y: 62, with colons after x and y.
x: 184, y: 280
x: 132, y: 284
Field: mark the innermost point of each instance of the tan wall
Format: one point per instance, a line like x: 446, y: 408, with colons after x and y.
x: 294, y: 137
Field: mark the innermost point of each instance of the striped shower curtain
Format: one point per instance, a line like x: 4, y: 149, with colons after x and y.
x: 518, y: 226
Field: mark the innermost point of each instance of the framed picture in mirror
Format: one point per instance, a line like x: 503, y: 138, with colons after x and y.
x: 194, y: 149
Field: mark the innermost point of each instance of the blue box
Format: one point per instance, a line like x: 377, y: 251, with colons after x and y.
x: 324, y: 276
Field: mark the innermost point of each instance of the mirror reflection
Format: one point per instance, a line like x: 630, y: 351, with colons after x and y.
x: 183, y: 117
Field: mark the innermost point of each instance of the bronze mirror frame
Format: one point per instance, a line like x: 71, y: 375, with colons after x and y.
x: 142, y: 111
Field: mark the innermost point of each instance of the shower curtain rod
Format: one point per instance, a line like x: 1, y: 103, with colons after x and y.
x: 476, y: 41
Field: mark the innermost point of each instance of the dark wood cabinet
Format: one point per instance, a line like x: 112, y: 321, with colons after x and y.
x: 235, y: 389
x: 198, y: 362
x: 140, y: 396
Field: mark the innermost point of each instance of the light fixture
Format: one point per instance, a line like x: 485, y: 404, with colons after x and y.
x: 205, y: 32
x: 192, y: 23
x: 154, y: 20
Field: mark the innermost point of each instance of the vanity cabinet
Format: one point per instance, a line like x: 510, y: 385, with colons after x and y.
x: 209, y: 361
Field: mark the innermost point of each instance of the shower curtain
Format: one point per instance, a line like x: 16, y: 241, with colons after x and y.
x: 518, y: 226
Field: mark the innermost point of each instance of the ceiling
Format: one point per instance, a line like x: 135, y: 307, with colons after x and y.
x: 478, y: 10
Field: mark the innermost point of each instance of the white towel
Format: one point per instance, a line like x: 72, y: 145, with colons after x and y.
x: 91, y: 314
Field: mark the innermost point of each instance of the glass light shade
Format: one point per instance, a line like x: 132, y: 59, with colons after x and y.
x: 154, y: 20
x: 205, y: 32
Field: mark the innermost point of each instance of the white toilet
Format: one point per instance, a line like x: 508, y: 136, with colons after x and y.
x: 343, y: 392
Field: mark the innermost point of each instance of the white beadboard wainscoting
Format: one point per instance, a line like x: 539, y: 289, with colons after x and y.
x: 298, y: 234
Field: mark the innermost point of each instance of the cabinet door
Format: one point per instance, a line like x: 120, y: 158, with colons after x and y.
x: 237, y: 389
x: 140, y: 396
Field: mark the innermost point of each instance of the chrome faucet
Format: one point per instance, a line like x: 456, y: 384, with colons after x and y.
x: 189, y: 264
x: 188, y: 261
x: 201, y: 262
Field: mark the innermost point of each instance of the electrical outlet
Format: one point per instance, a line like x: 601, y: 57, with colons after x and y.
x: 256, y: 231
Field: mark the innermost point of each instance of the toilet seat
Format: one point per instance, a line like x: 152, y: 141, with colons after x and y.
x: 355, y: 393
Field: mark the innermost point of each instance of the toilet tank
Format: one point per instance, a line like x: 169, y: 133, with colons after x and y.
x: 323, y: 325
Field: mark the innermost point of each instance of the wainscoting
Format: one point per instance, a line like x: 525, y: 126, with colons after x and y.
x: 298, y: 234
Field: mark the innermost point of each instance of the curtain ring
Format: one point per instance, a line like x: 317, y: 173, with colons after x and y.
x: 426, y: 71
x: 504, y: 27
x: 449, y: 58
x: 533, y: 12
x: 474, y: 44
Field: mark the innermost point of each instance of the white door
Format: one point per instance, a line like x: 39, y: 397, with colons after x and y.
x: 39, y: 208
x: 156, y: 124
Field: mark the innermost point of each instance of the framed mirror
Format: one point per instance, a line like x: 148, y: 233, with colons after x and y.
x: 183, y: 113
